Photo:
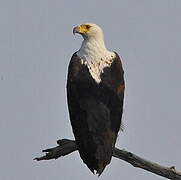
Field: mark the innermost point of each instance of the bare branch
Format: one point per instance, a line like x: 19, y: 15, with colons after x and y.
x: 66, y: 146
x: 136, y: 161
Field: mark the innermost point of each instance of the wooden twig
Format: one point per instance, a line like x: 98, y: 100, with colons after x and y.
x: 136, y: 161
x: 66, y: 146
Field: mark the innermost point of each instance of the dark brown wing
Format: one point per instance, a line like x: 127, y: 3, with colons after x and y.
x: 113, y: 79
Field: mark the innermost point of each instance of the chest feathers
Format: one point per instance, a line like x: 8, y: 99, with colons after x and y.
x: 96, y: 57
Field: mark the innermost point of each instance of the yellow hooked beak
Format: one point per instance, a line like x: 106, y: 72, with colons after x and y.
x: 81, y: 29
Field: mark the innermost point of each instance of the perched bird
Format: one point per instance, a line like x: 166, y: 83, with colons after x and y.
x: 95, y: 93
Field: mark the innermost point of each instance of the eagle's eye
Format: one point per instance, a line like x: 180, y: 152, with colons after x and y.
x: 87, y: 26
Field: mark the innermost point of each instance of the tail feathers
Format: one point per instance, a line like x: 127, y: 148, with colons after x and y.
x: 97, y: 152
x: 98, y: 170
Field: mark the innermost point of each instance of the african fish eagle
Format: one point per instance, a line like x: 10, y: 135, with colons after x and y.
x: 95, y: 93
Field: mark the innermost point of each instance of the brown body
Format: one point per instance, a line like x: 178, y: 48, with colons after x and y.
x: 95, y: 111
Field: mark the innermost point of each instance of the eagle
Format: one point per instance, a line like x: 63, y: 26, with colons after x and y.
x: 95, y: 93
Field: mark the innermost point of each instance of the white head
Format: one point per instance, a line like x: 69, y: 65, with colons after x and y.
x: 93, y: 38
x: 89, y: 30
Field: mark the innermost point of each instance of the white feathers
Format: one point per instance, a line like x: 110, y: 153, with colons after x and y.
x: 96, y: 64
x: 94, y: 54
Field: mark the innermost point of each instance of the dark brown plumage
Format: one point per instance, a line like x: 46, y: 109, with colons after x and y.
x: 95, y: 110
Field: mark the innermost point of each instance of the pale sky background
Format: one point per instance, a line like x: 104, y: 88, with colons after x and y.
x: 36, y: 43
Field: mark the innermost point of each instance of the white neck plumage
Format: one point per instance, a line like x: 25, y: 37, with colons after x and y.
x: 93, y: 46
x: 93, y: 49
x: 95, y: 56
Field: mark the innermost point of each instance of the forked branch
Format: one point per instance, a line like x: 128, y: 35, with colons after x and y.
x: 66, y: 146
